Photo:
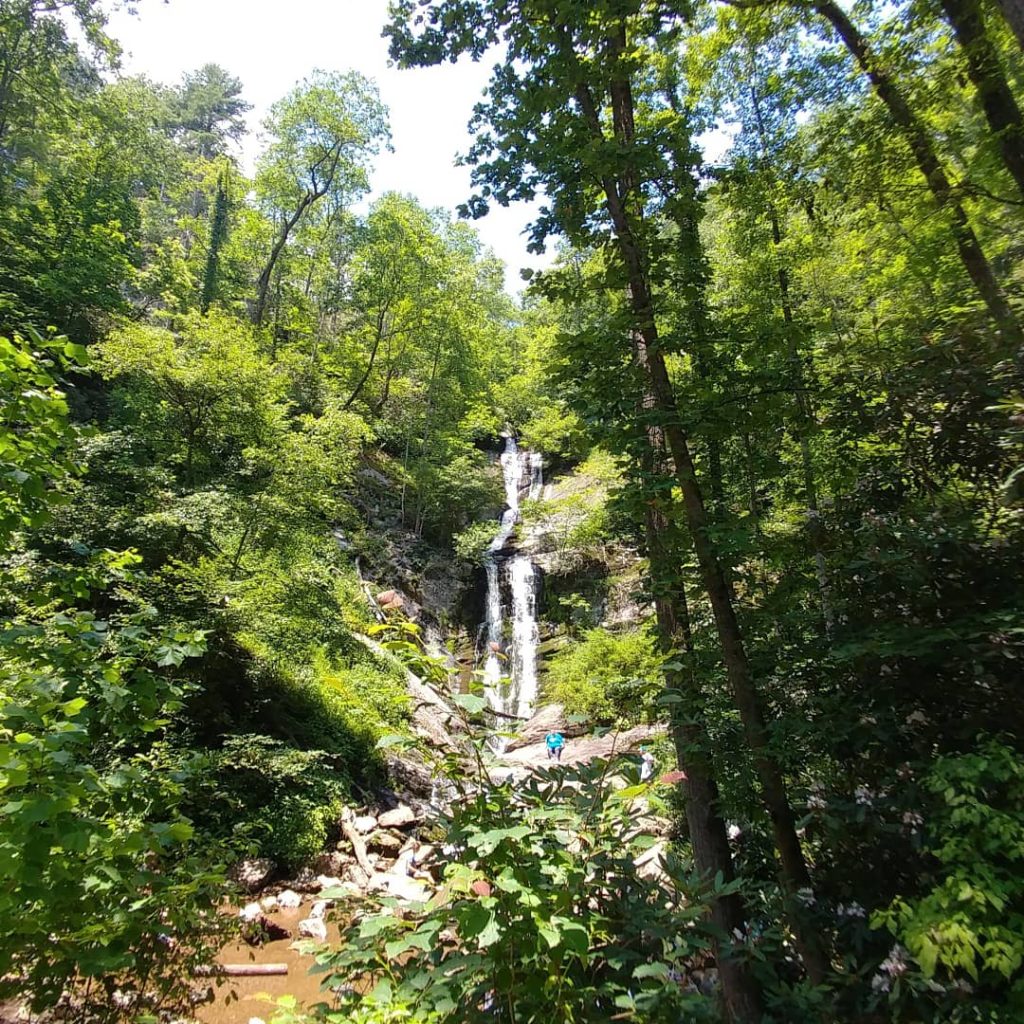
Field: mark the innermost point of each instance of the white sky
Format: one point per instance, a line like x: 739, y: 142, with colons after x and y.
x: 271, y: 45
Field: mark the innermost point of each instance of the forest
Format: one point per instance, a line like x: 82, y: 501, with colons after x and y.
x: 312, y: 534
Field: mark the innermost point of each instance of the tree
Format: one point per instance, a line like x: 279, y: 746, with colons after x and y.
x: 599, y: 171
x: 208, y: 110
x: 323, y: 134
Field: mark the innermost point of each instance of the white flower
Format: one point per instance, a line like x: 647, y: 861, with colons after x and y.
x: 912, y: 819
x: 880, y: 983
x: 816, y: 803
x: 895, y: 963
x: 864, y: 796
x: 851, y: 910
x: 735, y: 832
x: 806, y: 897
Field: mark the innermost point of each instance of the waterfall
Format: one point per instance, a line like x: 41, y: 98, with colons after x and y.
x: 511, y: 682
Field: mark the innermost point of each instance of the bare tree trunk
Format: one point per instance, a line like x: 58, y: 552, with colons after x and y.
x: 1013, y: 12
x: 971, y: 254
x: 263, y: 283
x: 708, y: 837
x: 619, y: 193
x: 986, y: 72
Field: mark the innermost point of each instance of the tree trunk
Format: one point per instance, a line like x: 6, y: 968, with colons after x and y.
x: 263, y: 284
x: 1013, y: 12
x: 708, y: 838
x: 986, y: 72
x: 619, y: 193
x: 971, y: 254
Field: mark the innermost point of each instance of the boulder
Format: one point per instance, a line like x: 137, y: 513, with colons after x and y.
x: 384, y: 842
x: 253, y: 874
x: 313, y: 928
x: 269, y: 903
x: 305, y: 880
x: 251, y: 912
x: 319, y: 909
x: 401, y: 817
x: 332, y: 864
x: 327, y: 882
x: 402, y: 887
x: 364, y: 823
x: 289, y: 899
x: 549, y: 718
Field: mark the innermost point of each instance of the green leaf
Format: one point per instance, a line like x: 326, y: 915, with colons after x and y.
x: 471, y: 702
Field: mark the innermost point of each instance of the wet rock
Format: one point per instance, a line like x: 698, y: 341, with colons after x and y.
x: 289, y: 898
x: 253, y: 874
x: 384, y: 842
x: 401, y: 817
x: 313, y: 928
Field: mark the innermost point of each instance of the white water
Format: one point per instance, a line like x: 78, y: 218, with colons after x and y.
x: 510, y: 682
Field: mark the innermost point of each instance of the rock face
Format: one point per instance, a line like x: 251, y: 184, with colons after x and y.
x: 586, y: 748
x: 549, y: 718
x: 252, y: 875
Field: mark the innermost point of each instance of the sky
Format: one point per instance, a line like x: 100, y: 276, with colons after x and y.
x: 270, y: 45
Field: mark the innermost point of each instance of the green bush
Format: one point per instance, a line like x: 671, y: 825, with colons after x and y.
x: 261, y: 791
x: 969, y: 926
x: 472, y: 543
x: 546, y: 916
x: 604, y: 675
x: 293, y: 831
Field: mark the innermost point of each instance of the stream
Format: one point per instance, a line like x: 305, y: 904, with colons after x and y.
x: 510, y: 631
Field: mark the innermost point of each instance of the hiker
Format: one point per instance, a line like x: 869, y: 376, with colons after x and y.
x: 555, y: 742
x: 646, y: 764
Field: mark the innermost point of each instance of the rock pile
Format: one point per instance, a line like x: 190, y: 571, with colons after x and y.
x: 378, y: 853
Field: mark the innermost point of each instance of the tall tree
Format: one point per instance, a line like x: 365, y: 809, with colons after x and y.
x: 986, y: 72
x: 323, y: 134
x: 599, y: 172
x: 919, y: 141
x: 208, y: 110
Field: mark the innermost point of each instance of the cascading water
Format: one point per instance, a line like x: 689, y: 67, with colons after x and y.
x: 512, y: 692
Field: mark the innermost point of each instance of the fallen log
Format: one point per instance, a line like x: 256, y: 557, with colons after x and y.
x: 243, y: 970
x: 353, y: 836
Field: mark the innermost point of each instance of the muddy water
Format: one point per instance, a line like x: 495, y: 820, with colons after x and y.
x: 237, y: 1000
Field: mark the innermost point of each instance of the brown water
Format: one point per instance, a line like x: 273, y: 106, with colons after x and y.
x: 238, y: 999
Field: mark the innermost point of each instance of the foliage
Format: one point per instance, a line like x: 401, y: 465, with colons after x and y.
x: 100, y: 871
x: 472, y: 543
x: 547, y: 917
x: 605, y: 676
x: 970, y: 920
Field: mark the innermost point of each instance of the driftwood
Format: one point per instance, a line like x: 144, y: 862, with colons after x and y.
x: 244, y: 970
x: 358, y: 846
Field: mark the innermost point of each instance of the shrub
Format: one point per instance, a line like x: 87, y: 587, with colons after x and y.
x: 546, y: 916
x: 604, y: 675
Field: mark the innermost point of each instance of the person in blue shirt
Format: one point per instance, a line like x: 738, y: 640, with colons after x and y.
x: 555, y: 742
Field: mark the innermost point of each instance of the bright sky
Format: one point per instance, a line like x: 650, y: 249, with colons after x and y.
x: 272, y: 45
